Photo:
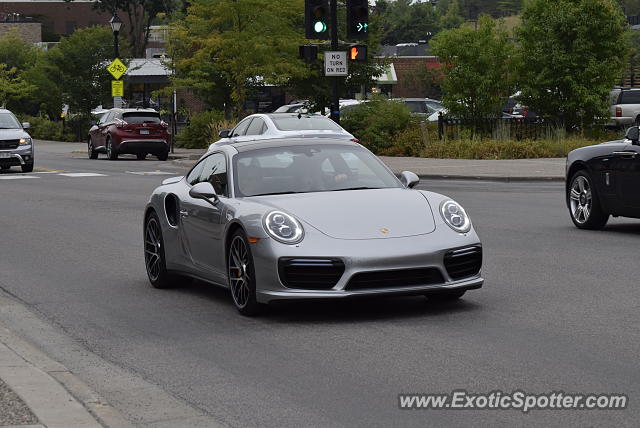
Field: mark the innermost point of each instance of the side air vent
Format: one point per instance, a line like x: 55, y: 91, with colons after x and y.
x: 172, y: 207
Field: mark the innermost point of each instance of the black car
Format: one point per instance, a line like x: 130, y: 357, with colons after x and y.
x: 603, y: 180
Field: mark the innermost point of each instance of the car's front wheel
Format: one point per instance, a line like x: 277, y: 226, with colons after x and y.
x: 584, y: 205
x: 241, y: 274
x: 27, y: 167
x: 91, y: 151
x: 141, y: 156
x: 154, y: 257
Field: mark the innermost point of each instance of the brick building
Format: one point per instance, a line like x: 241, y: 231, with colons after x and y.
x: 29, y: 30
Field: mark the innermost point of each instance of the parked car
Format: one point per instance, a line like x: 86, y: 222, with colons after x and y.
x: 603, y: 181
x: 16, y: 145
x: 265, y: 126
x: 423, y: 107
x: 291, y: 108
x: 625, y: 107
x: 129, y: 131
x: 307, y: 218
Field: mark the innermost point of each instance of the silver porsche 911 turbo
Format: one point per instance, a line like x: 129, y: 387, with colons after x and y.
x: 307, y: 219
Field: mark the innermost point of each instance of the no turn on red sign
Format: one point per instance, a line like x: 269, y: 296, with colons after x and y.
x: 335, y: 63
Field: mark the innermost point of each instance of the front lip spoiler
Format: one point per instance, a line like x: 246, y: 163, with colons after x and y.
x: 466, y: 284
x: 17, y: 156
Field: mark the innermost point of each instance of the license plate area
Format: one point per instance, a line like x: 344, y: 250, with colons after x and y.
x: 5, y: 155
x: 144, y: 132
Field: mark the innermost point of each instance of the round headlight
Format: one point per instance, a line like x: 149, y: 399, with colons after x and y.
x: 25, y: 141
x: 455, y: 216
x: 283, y: 228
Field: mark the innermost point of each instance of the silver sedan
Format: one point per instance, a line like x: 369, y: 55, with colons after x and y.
x: 306, y: 219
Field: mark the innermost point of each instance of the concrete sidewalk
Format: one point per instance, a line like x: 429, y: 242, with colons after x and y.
x: 36, y: 391
x: 547, y: 169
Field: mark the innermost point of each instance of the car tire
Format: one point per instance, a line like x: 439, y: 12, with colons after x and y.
x: 241, y: 275
x: 112, y: 152
x: 154, y: 257
x: 27, y: 167
x: 163, y: 156
x: 637, y: 121
x: 141, y: 156
x: 584, y: 205
x: 446, y: 296
x: 91, y: 151
x: 5, y: 167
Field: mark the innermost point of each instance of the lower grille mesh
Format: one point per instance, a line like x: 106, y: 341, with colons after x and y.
x: 463, y: 263
x: 395, y: 278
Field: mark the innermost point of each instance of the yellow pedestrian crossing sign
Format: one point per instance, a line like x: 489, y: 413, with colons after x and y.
x: 117, y: 88
x: 117, y: 68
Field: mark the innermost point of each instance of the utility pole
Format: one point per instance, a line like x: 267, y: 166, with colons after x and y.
x: 335, y: 96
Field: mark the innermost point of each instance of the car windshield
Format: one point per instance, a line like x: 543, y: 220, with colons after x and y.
x: 434, y: 106
x: 141, y: 117
x: 304, y: 169
x: 305, y: 123
x: 9, y: 121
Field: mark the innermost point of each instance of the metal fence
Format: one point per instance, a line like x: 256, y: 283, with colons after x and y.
x: 535, y: 128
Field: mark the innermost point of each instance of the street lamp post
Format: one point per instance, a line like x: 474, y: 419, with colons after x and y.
x: 116, y: 23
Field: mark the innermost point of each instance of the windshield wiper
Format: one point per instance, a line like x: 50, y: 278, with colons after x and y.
x: 357, y: 188
x: 277, y: 193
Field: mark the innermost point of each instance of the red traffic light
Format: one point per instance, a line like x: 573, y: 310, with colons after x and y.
x: 358, y: 53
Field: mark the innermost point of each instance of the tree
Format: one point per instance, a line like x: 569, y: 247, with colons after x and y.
x: 226, y: 48
x: 426, y: 81
x: 12, y: 86
x: 79, y: 63
x: 140, y: 15
x: 452, y: 17
x: 572, y: 53
x: 406, y: 21
x: 478, y: 69
x: 16, y: 52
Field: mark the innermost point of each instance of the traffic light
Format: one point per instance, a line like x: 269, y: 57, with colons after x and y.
x: 358, y: 53
x: 309, y: 53
x: 357, y: 19
x: 316, y: 19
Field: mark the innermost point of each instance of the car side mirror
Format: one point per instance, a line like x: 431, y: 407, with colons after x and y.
x: 633, y: 134
x: 409, y: 179
x: 26, y: 125
x: 205, y: 191
x: 225, y: 133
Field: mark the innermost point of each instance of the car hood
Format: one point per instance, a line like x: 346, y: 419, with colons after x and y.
x: 360, y: 214
x: 12, y: 134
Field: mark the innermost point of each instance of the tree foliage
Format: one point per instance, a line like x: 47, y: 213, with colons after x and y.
x: 406, y: 21
x: 226, y: 48
x: 12, y: 86
x: 572, y: 53
x: 478, y: 68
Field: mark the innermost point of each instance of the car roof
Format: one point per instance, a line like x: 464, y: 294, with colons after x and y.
x: 280, y: 115
x: 4, y: 110
x: 246, y: 146
x: 133, y: 110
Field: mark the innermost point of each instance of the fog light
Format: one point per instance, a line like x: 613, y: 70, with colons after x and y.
x: 26, y: 158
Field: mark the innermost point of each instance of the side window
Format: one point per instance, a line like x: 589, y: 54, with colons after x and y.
x: 194, y: 175
x: 105, y: 118
x: 215, y: 172
x: 630, y: 97
x: 241, y: 128
x: 256, y: 127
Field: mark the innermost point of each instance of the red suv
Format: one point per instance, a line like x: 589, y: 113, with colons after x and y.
x: 133, y: 131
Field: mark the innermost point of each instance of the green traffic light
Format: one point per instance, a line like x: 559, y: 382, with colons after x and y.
x: 319, y: 27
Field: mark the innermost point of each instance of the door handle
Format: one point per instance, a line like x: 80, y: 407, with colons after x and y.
x: 626, y: 154
x: 184, y: 213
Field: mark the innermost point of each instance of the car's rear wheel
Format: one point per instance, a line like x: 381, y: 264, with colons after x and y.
x: 141, y: 156
x: 446, y: 296
x: 27, y: 167
x: 112, y: 152
x: 5, y: 167
x: 241, y: 273
x: 163, y: 156
x: 91, y: 150
x: 154, y: 257
x: 584, y: 205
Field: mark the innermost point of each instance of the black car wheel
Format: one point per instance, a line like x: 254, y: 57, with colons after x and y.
x: 141, y: 156
x: 27, y: 167
x: 241, y: 273
x: 154, y: 258
x: 163, y: 156
x: 5, y: 167
x: 584, y: 204
x: 112, y: 153
x: 91, y: 151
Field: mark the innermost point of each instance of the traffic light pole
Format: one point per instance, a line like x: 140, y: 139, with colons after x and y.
x: 335, y: 96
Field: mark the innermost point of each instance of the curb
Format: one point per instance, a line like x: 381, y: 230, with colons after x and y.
x: 504, y: 179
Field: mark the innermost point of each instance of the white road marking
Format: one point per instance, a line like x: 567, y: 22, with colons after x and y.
x: 16, y: 177
x: 83, y: 174
x: 149, y: 173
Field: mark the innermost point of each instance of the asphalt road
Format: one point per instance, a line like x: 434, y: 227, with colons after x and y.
x: 559, y: 311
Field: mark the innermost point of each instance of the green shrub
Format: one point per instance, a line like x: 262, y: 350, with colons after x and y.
x: 199, y: 134
x: 43, y: 128
x: 377, y: 122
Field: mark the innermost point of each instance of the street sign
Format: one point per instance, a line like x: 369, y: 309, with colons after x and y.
x: 117, y: 88
x: 117, y: 68
x: 335, y: 63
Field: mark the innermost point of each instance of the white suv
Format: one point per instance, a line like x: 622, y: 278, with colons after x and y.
x: 625, y: 108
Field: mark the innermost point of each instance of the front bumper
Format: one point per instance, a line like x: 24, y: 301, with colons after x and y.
x: 362, y: 256
x: 155, y: 147
x: 19, y: 156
